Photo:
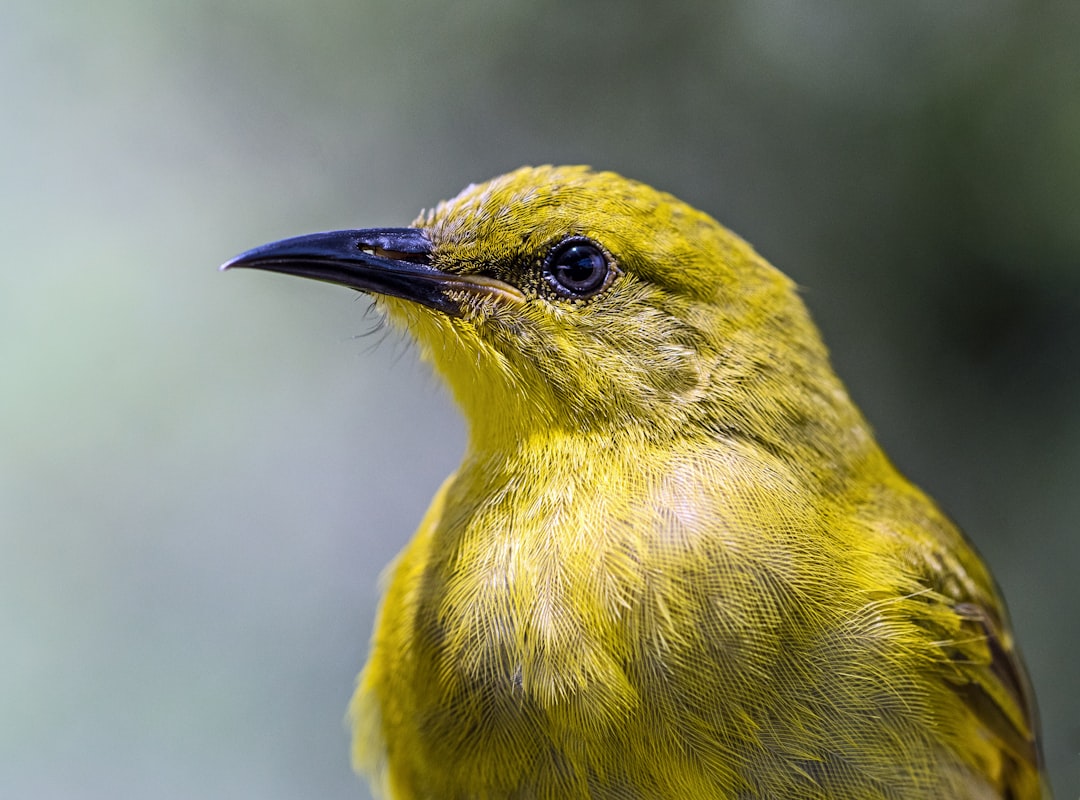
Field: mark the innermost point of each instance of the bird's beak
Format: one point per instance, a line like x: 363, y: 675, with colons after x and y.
x: 388, y: 261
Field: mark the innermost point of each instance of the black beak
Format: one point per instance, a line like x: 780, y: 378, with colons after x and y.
x: 387, y: 261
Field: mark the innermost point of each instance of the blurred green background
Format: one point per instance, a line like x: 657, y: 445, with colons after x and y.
x: 201, y: 475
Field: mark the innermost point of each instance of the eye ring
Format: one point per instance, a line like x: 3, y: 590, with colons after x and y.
x: 578, y: 268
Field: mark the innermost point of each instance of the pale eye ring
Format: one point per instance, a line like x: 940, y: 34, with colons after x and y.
x: 578, y: 267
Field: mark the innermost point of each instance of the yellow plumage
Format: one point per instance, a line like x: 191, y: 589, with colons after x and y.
x: 673, y: 563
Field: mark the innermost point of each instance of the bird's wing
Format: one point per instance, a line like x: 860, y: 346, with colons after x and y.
x: 988, y: 674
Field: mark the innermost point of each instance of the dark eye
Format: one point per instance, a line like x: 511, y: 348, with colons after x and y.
x: 577, y: 267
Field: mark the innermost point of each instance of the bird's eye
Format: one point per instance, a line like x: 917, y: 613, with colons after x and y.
x: 577, y: 267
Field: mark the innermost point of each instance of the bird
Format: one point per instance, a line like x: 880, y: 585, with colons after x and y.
x: 673, y: 562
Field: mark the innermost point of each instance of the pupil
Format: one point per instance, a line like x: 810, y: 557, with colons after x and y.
x: 581, y: 266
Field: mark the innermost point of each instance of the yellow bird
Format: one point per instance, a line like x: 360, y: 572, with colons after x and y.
x: 673, y: 563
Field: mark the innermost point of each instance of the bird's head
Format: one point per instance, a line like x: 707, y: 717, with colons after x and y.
x: 558, y: 298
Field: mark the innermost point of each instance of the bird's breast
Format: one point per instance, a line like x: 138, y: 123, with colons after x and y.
x: 612, y: 608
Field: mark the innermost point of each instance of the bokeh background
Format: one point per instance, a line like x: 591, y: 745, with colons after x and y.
x: 202, y: 474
